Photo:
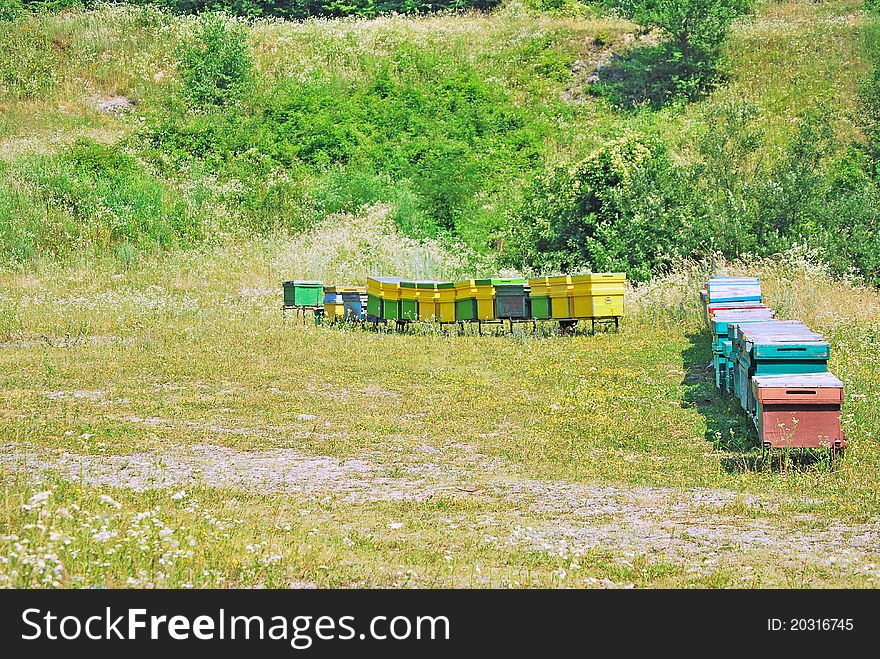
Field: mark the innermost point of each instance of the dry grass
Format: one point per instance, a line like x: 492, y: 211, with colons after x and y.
x: 531, y: 462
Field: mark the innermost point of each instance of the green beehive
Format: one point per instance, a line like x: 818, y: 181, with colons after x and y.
x: 539, y: 294
x: 409, y: 305
x: 540, y: 307
x: 299, y: 293
x: 374, y: 306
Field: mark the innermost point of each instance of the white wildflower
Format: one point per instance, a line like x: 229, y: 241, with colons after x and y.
x: 110, y: 501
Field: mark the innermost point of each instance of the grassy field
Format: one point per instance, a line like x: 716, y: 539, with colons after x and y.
x: 164, y: 426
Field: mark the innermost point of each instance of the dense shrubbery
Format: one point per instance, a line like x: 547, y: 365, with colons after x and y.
x: 90, y: 196
x: 453, y: 147
x: 615, y: 211
x: 629, y: 208
x: 684, y: 65
x: 436, y: 140
x: 299, y: 9
x: 290, y: 9
x: 215, y: 67
x: 10, y: 9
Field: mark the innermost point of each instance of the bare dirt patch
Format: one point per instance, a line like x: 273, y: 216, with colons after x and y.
x: 700, y: 528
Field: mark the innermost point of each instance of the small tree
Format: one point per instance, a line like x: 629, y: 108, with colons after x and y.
x: 696, y: 28
x: 216, y: 66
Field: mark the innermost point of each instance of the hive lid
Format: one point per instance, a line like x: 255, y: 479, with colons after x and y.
x: 769, y: 327
x: 303, y: 282
x: 727, y: 314
x: 385, y: 280
x: 473, y: 282
x: 737, y: 304
x: 814, y: 380
x: 722, y: 279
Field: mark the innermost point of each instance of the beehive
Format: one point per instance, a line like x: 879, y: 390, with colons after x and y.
x: 409, y: 300
x: 301, y: 293
x: 354, y: 302
x: 383, y: 297
x: 602, y: 295
x: 512, y: 299
x: 799, y: 411
x: 428, y: 299
x: 333, y: 307
x: 446, y: 301
x: 539, y: 297
x: 733, y: 289
x: 474, y: 300
x: 780, y: 348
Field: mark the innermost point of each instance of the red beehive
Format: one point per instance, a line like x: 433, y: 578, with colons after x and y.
x: 799, y: 410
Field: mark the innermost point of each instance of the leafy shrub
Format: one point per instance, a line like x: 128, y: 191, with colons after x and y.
x: 697, y: 28
x: 300, y: 9
x: 90, y: 196
x: 685, y: 65
x: 618, y: 210
x: 216, y: 66
x: 438, y: 142
x: 870, y: 114
x: 10, y: 9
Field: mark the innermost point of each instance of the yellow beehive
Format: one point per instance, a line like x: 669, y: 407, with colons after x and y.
x: 428, y: 299
x: 445, y: 302
x: 333, y: 312
x: 561, y: 289
x: 599, y: 295
x: 474, y: 300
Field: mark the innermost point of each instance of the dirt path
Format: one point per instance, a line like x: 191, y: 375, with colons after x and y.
x: 701, y: 528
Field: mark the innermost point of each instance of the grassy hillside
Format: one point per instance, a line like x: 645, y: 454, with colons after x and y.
x: 163, y: 425
x: 446, y: 119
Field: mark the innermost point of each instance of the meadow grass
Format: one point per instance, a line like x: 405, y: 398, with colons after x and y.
x: 188, y: 351
x: 163, y: 425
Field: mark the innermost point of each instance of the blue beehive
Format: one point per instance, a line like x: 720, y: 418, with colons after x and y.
x: 733, y: 289
x: 786, y: 347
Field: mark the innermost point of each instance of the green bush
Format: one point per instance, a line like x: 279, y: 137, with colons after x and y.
x: 215, y: 66
x: 300, y: 9
x: 685, y: 65
x: 10, y: 9
x: 618, y: 210
x: 90, y: 196
x: 870, y: 112
x: 438, y: 141
x: 696, y: 28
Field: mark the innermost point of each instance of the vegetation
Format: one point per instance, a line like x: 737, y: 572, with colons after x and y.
x: 460, y: 465
x: 470, y: 129
x: 161, y: 172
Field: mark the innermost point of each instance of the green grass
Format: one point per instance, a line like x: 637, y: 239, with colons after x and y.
x: 161, y: 359
x: 141, y: 335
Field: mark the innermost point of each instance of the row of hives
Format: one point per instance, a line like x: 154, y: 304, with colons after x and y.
x: 776, y: 369
x: 565, y: 298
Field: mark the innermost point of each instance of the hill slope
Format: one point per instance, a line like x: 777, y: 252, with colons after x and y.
x: 447, y: 119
